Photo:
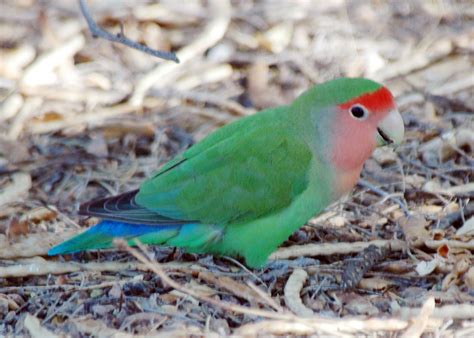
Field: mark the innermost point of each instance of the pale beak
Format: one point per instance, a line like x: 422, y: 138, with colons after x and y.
x: 391, y: 129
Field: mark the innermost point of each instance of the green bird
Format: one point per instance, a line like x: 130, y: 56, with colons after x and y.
x: 245, y: 188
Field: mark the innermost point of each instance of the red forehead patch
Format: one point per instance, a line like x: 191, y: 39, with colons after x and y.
x: 380, y: 100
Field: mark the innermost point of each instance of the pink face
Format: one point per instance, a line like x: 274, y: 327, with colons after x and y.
x: 360, y: 126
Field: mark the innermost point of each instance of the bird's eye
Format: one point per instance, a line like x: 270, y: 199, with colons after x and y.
x: 359, y: 112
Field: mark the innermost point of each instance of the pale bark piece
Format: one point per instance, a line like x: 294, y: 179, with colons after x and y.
x: 292, y: 293
x: 421, y: 321
x: 328, y: 249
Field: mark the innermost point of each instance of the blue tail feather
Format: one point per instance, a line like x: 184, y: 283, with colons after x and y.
x: 102, y: 235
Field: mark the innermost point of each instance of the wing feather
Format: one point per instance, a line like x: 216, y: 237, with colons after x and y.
x: 249, y: 168
x: 253, y: 169
x: 124, y: 208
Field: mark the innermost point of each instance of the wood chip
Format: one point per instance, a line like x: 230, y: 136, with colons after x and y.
x: 292, y: 293
x: 327, y: 249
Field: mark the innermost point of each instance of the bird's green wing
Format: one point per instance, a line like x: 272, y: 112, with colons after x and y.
x: 247, y: 169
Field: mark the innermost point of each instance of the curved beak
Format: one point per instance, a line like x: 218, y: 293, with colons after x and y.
x: 391, y: 129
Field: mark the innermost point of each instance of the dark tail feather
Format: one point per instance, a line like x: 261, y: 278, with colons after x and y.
x: 124, y: 208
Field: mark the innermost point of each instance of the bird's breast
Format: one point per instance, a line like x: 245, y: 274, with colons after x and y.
x: 344, y: 181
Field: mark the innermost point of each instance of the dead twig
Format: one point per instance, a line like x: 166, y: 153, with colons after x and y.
x: 455, y: 311
x: 331, y: 327
x: 38, y: 266
x: 158, y: 270
x: 384, y: 194
x: 421, y: 321
x: 311, y: 324
x: 96, y: 32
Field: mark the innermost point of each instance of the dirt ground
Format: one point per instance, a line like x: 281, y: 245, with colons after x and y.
x: 83, y: 117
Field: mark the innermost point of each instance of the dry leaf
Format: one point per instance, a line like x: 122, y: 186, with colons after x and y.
x: 469, y: 278
x: 384, y: 155
x: 97, y: 146
x: 438, y: 234
x: 415, y: 181
x: 467, y: 229
x: 443, y: 250
x: 337, y: 221
x: 277, y: 38
x: 17, y: 228
x: 414, y: 227
x: 17, y: 189
x: 50, y: 116
x: 361, y: 306
x: 424, y: 268
x: 445, y: 145
x: 115, y: 291
x: 13, y: 151
x: 32, y: 324
x: 40, y: 214
x: 375, y: 283
x: 120, y: 129
x: 229, y: 284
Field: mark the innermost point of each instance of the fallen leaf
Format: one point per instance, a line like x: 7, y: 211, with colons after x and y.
x: 384, y: 155
x: 97, y: 146
x: 32, y: 324
x: 469, y: 278
x: 361, y: 306
x: 414, y: 227
x: 13, y: 151
x: 444, y: 146
x: 17, y: 228
x: 120, y: 129
x: 424, y: 268
x: 39, y: 214
x: 277, y: 38
x: 438, y: 234
x: 115, y: 291
x: 231, y: 285
x: 443, y: 250
x: 374, y: 283
x: 467, y: 229
x: 17, y: 189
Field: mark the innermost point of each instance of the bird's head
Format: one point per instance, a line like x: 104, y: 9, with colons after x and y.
x: 351, y: 116
x: 364, y: 117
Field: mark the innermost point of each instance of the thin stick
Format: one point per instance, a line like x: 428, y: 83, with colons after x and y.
x: 384, y: 194
x: 98, y: 32
x: 158, y: 270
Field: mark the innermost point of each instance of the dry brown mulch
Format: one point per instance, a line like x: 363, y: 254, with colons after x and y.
x: 82, y: 117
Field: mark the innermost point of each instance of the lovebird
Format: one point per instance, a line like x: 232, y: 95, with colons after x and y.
x: 246, y: 187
